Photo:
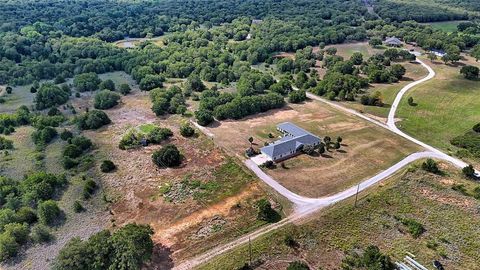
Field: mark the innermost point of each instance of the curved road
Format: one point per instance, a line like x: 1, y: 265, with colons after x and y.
x: 303, y: 205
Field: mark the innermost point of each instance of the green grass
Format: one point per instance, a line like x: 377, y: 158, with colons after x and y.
x: 20, y: 96
x: 449, y: 26
x: 147, y: 128
x: 448, y: 106
x: 449, y: 218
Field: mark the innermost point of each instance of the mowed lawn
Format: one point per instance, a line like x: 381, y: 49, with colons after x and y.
x: 451, y: 223
x: 366, y: 149
x: 448, y: 26
x: 447, y: 106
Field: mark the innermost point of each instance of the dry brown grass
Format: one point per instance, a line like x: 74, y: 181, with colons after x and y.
x: 367, y: 149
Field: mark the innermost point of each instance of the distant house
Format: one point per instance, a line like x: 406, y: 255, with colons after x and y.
x: 438, y: 53
x: 393, y: 42
x: 257, y: 21
x: 291, y: 144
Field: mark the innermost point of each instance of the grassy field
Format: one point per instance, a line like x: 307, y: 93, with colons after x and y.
x: 450, y: 219
x: 448, y: 26
x: 20, y: 96
x: 347, y: 49
x: 367, y: 149
x: 389, y: 91
x: 447, y: 106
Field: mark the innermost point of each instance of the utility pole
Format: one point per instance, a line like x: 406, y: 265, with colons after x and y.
x: 356, y: 195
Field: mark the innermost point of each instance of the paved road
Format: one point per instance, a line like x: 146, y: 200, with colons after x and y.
x: 304, y: 205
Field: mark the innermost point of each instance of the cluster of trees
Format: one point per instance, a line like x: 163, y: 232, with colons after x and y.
x: 419, y: 11
x: 470, y: 141
x: 50, y: 95
x: 167, y: 156
x: 8, y: 121
x: 380, y: 70
x: 470, y: 72
x: 169, y: 100
x: 136, y: 138
x: 26, y: 209
x: 126, y: 248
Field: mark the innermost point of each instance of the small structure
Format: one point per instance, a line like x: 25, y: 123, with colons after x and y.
x: 393, y: 42
x: 254, y: 21
x: 291, y: 144
x: 439, y: 53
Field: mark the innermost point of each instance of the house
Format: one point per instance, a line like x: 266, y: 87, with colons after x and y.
x: 291, y: 144
x: 393, y: 42
x: 438, y: 53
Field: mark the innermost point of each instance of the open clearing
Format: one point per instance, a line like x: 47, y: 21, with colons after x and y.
x: 448, y: 26
x: 347, y: 49
x: 447, y: 106
x: 367, y: 149
x: 206, y: 201
x: 451, y: 221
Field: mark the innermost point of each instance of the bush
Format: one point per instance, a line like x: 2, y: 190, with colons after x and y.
x: 266, y: 212
x: 40, y: 234
x: 414, y: 227
x: 124, y: 89
x: 93, y: 120
x: 72, y: 151
x: 297, y: 96
x: 5, y: 144
x: 470, y: 72
x: 8, y: 247
x: 167, y: 156
x: 105, y: 99
x: 6, y: 216
x: 26, y: 215
x: 476, y: 128
x: 66, y: 134
x: 77, y: 207
x: 469, y: 171
x: 298, y: 265
x: 89, y: 188
x: 151, y: 81
x: 48, y: 212
x: 371, y: 258
x: 69, y: 163
x: 50, y: 95
x: 59, y: 79
x: 158, y: 134
x: 204, y: 117
x: 86, y: 82
x: 186, y: 130
x: 44, y: 135
x: 82, y: 142
x: 430, y: 166
x: 18, y: 231
x: 107, y: 166
x: 107, y: 84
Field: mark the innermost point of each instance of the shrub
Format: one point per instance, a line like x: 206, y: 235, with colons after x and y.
x: 26, y: 215
x: 157, y: 135
x: 44, y: 135
x: 48, y: 212
x: 82, y: 142
x: 6, y: 216
x: 40, y: 234
x: 18, y: 231
x: 298, y: 265
x: 266, y: 212
x: 470, y: 72
x: 89, y: 188
x: 86, y: 82
x: 107, y: 166
x: 186, y: 130
x: 105, y: 99
x: 93, y: 120
x: 72, y: 151
x: 5, y: 143
x: 66, y: 134
x: 414, y: 227
x: 8, y: 246
x: 204, y: 117
x: 151, y: 81
x: 124, y: 89
x: 430, y: 166
x: 469, y: 171
x: 108, y: 84
x: 167, y: 156
x: 69, y: 163
x: 77, y: 207
x: 476, y: 128
x: 297, y: 96
x: 59, y: 79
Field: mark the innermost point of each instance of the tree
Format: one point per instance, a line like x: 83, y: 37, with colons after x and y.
x: 371, y: 258
x: 336, y: 145
x: 204, y: 117
x: 186, y: 130
x: 470, y: 72
x: 410, y: 101
x: 194, y: 83
x: 151, y: 81
x: 167, y: 156
x: 356, y: 58
x: 476, y: 128
x: 430, y: 166
x: 266, y: 212
x: 469, y: 171
x: 297, y: 96
x: 331, y: 51
x: 375, y: 42
x: 66, y: 134
x: 93, y: 120
x: 108, y: 85
x: 432, y: 56
x: 40, y: 234
x: 105, y: 99
x: 50, y: 95
x: 5, y: 144
x: 298, y: 265
x: 124, y: 89
x: 18, y: 231
x: 86, y: 82
x: 107, y: 166
x: 8, y: 89
x: 8, y: 246
x: 397, y: 71
x: 48, y: 212
x: 476, y: 52
x: 132, y: 245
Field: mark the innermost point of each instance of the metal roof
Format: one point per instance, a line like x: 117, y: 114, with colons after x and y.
x: 393, y: 40
x: 294, y: 138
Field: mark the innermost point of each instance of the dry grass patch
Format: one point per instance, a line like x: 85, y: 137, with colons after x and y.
x: 367, y: 149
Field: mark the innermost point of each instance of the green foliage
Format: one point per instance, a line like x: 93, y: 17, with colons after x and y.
x: 89, y: 188
x: 72, y: 151
x: 48, y: 212
x: 204, y: 117
x: 108, y: 85
x: 167, y: 101
x: 194, y: 84
x: 40, y: 234
x: 297, y: 96
x: 371, y: 258
x: 105, y: 99
x: 167, y: 156
x: 5, y: 144
x: 266, y: 212
x: 127, y: 248
x: 93, y: 119
x: 40, y: 186
x: 26, y: 215
x: 240, y: 106
x: 298, y: 265
x: 151, y: 81
x: 135, y: 138
x: 414, y: 227
x: 430, y: 166
x: 124, y: 89
x: 50, y: 95
x: 469, y: 171
x: 43, y: 136
x: 469, y: 141
x: 375, y: 42
x: 86, y: 82
x: 18, y: 231
x: 107, y: 166
x: 66, y: 134
x: 372, y: 100
x: 186, y: 130
x: 78, y: 207
x: 8, y: 246
x: 470, y: 72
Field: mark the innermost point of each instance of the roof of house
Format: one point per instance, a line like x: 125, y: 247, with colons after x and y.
x: 393, y: 40
x: 294, y: 138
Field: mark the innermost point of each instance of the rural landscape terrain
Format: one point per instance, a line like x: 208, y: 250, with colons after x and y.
x: 187, y: 134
